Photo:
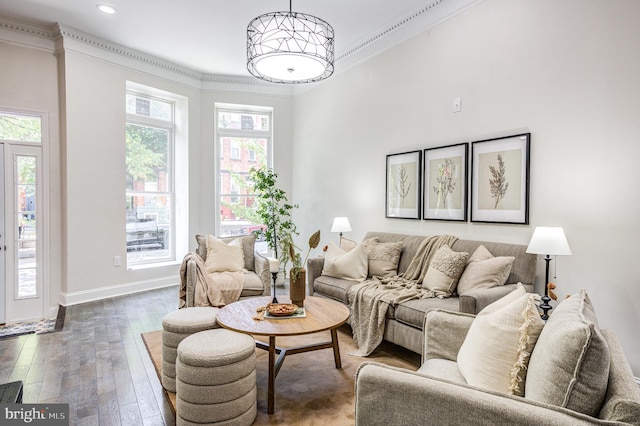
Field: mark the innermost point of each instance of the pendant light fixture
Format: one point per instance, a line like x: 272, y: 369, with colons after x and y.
x: 290, y: 47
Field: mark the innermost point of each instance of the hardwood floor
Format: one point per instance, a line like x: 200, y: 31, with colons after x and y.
x: 98, y: 363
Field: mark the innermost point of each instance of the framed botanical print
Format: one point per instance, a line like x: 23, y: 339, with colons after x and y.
x: 500, y: 179
x: 445, y: 182
x: 404, y: 185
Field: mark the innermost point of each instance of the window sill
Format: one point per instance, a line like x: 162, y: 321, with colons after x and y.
x: 153, y: 265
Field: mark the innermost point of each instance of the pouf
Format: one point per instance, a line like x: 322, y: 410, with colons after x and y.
x: 176, y: 326
x: 216, y: 379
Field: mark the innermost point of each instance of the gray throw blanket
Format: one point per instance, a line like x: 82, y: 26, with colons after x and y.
x: 370, y: 300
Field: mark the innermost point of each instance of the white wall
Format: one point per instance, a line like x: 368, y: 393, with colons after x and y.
x: 28, y: 82
x: 94, y: 103
x: 95, y: 172
x: 565, y: 71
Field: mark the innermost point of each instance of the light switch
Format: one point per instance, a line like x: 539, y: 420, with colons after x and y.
x: 457, y: 104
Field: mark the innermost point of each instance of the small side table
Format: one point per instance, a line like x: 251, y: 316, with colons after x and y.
x: 11, y: 393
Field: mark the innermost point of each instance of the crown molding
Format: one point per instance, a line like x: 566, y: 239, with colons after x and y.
x: 402, y: 29
x: 87, y: 44
x: 27, y: 35
x: 80, y: 42
x: 396, y: 32
x: 238, y: 83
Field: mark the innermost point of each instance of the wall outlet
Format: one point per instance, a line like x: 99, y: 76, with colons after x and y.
x: 117, y: 261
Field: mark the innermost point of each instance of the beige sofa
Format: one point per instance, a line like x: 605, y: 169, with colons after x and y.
x: 404, y: 322
x: 257, y: 279
x: 577, y: 375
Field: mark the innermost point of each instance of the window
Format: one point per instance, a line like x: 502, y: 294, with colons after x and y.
x: 234, y: 193
x: 20, y: 128
x: 25, y: 182
x: 234, y: 153
x: 150, y: 198
x: 243, y: 136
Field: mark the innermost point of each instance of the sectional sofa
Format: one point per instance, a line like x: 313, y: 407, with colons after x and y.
x: 404, y: 322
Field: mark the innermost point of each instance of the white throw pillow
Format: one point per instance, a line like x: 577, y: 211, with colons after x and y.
x: 484, y: 271
x: 223, y: 257
x: 349, y: 265
x: 497, y: 348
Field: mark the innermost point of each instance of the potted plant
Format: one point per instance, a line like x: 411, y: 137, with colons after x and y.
x: 297, y: 274
x: 274, y: 210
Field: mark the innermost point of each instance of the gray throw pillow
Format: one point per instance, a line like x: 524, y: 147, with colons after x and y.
x: 569, y: 366
x: 444, y: 271
x: 382, y: 258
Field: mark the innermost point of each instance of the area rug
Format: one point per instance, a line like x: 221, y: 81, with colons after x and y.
x: 309, y: 389
x: 31, y: 327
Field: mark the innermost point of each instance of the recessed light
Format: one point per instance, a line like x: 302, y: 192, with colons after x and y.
x: 105, y: 8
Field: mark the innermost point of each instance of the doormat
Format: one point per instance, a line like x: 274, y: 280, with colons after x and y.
x: 34, y: 327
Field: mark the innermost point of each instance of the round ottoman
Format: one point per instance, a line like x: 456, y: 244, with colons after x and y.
x: 216, y: 379
x: 176, y: 326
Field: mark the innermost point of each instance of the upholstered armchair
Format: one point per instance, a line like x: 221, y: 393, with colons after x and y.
x: 257, y: 279
x: 438, y: 393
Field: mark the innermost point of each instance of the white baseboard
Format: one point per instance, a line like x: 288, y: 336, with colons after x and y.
x: 67, y: 299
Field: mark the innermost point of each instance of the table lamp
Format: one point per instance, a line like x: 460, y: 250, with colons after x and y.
x: 341, y: 224
x: 548, y: 241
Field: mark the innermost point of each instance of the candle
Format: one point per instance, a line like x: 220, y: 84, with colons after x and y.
x: 274, y: 265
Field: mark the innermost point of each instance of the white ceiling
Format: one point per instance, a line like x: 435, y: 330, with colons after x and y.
x: 209, y: 36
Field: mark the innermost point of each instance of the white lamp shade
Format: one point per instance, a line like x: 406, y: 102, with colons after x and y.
x: 548, y: 240
x: 341, y: 224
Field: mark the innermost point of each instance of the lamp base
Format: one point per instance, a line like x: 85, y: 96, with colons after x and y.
x: 546, y: 307
x: 275, y: 277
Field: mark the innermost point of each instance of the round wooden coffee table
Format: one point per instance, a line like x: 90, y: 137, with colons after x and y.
x: 322, y: 314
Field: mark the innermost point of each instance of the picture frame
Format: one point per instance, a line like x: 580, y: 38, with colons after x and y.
x: 404, y: 185
x: 445, y: 182
x: 500, y: 179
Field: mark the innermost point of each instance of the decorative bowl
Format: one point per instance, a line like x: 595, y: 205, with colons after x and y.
x: 282, y: 309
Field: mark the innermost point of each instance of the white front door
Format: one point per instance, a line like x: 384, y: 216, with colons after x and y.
x: 23, y: 294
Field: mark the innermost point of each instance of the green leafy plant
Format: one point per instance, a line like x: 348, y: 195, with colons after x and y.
x: 274, y: 210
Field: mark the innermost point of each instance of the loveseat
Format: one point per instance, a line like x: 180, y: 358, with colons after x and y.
x: 257, y: 278
x: 405, y: 321
x: 577, y: 374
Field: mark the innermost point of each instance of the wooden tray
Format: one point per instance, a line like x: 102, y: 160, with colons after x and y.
x: 282, y: 309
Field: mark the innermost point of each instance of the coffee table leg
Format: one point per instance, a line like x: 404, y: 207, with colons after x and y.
x: 336, y: 348
x: 272, y: 375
